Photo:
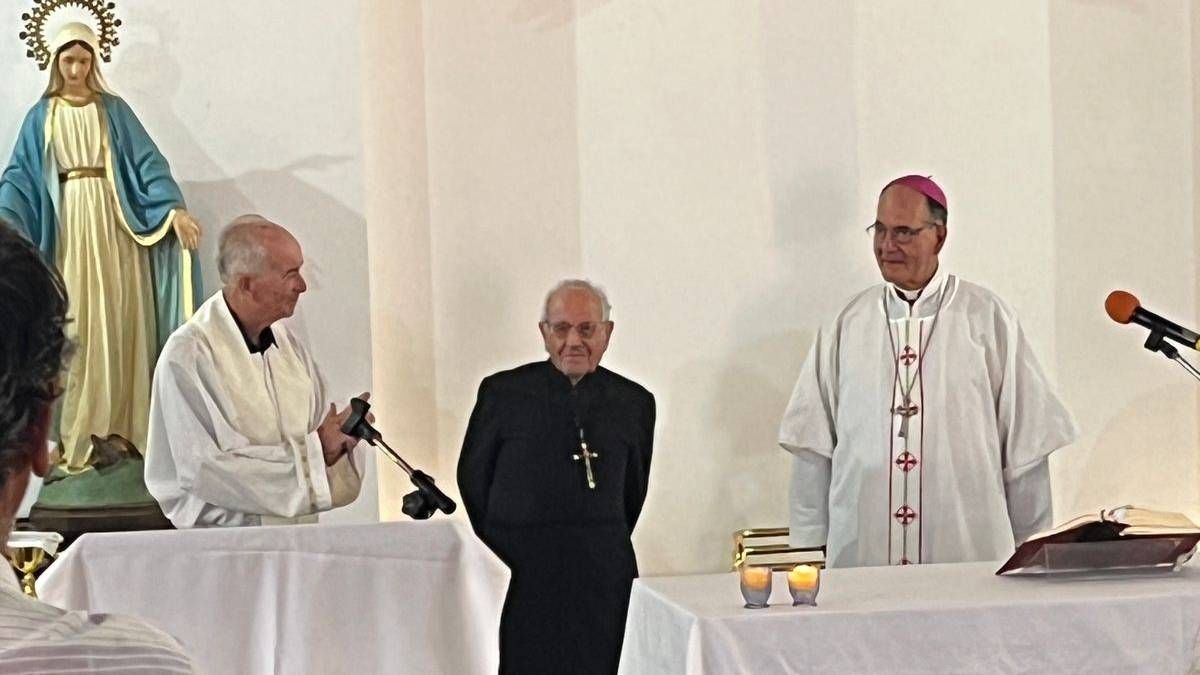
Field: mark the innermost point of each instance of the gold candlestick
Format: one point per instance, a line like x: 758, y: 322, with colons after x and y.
x: 27, y: 561
x: 27, y: 552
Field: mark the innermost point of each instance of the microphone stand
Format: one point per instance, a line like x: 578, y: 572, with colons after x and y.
x: 1156, y: 343
x: 427, y: 498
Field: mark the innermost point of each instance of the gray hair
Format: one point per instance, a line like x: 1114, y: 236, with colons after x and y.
x: 578, y: 285
x: 241, y: 251
x: 937, y: 212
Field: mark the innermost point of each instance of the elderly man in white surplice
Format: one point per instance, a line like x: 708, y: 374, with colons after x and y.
x: 240, y: 429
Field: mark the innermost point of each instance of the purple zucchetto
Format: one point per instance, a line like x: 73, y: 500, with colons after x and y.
x: 922, y: 184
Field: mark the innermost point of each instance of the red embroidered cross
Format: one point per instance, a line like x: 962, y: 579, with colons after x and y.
x: 905, y: 515
x: 907, y: 356
x: 907, y: 411
x: 906, y: 461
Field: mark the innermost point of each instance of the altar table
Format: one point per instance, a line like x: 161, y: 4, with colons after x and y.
x: 918, y: 619
x: 383, y: 598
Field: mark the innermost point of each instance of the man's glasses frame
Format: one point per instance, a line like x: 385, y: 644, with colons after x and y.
x: 901, y: 234
x: 586, y: 330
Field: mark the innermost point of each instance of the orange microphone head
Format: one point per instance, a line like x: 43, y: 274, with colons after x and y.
x: 1121, y: 306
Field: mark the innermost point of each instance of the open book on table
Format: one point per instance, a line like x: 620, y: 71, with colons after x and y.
x: 1124, y: 538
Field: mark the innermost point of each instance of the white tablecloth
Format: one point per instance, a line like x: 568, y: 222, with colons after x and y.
x: 918, y: 619
x: 384, y: 598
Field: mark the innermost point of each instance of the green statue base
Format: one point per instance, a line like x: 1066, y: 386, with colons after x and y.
x: 109, y: 496
x: 118, y: 485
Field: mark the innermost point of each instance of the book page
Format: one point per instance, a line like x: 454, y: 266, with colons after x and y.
x: 1146, y: 521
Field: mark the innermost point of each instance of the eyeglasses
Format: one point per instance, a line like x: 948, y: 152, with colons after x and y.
x: 902, y: 235
x: 586, y: 330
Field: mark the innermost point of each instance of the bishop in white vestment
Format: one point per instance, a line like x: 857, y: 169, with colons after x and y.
x: 921, y: 423
x: 241, y: 432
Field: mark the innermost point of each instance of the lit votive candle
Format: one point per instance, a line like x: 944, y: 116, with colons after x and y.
x: 756, y: 586
x: 803, y: 583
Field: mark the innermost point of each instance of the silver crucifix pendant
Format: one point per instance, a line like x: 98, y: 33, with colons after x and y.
x: 586, y: 456
x: 905, y: 411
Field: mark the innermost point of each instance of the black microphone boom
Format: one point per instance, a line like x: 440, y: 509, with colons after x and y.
x: 1166, y: 328
x: 428, y: 497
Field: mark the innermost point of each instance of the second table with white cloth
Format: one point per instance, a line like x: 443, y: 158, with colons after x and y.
x: 951, y: 618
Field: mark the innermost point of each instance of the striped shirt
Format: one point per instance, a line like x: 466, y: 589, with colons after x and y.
x: 39, y: 638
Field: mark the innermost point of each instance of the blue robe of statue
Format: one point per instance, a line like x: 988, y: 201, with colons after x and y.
x: 145, y: 190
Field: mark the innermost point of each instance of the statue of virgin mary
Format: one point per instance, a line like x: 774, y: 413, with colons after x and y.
x: 89, y: 187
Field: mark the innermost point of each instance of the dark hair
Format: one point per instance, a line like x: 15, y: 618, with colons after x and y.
x: 95, y: 81
x: 33, y: 342
x: 75, y: 43
x: 937, y: 212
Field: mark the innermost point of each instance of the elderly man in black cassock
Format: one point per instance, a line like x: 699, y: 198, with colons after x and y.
x: 553, y: 474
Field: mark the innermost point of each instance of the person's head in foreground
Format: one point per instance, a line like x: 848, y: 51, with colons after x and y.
x: 909, y: 231
x: 33, y: 342
x: 40, y: 637
x: 575, y: 327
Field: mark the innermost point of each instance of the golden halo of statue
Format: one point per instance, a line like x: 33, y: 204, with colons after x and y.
x: 103, y: 17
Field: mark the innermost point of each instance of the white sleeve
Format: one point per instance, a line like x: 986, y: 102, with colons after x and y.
x: 808, y: 431
x: 809, y: 422
x: 1029, y: 501
x: 1032, y: 420
x: 199, y: 449
x: 338, y: 484
x: 345, y: 477
x: 809, y: 500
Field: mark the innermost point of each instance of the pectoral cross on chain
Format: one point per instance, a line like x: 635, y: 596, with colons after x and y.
x: 905, y: 411
x: 586, y: 456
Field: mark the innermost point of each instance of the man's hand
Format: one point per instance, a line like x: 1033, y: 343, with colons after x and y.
x: 187, y: 229
x: 334, y: 443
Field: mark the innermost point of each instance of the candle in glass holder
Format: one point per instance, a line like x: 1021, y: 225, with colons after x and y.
x: 756, y: 586
x: 803, y: 583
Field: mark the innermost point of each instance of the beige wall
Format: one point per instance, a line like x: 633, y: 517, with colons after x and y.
x: 1122, y: 79
x: 713, y: 164
x: 503, y: 190
x: 679, y: 221
x: 399, y: 238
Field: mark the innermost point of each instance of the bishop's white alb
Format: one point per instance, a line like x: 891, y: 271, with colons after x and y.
x: 920, y: 432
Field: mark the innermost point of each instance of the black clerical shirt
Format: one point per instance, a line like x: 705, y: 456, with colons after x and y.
x: 266, y: 339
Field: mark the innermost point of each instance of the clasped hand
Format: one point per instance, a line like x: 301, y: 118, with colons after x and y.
x: 334, y: 443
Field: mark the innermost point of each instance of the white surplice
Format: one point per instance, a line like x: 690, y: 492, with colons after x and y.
x: 967, y: 476
x: 233, y: 436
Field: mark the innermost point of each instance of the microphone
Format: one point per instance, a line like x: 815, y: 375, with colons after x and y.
x: 428, y: 497
x: 1124, y: 307
x: 356, y: 423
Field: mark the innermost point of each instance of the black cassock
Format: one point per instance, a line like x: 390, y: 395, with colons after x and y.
x: 567, y: 545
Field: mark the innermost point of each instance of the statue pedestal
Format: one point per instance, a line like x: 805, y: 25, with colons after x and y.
x: 111, y: 499
x: 71, y: 523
